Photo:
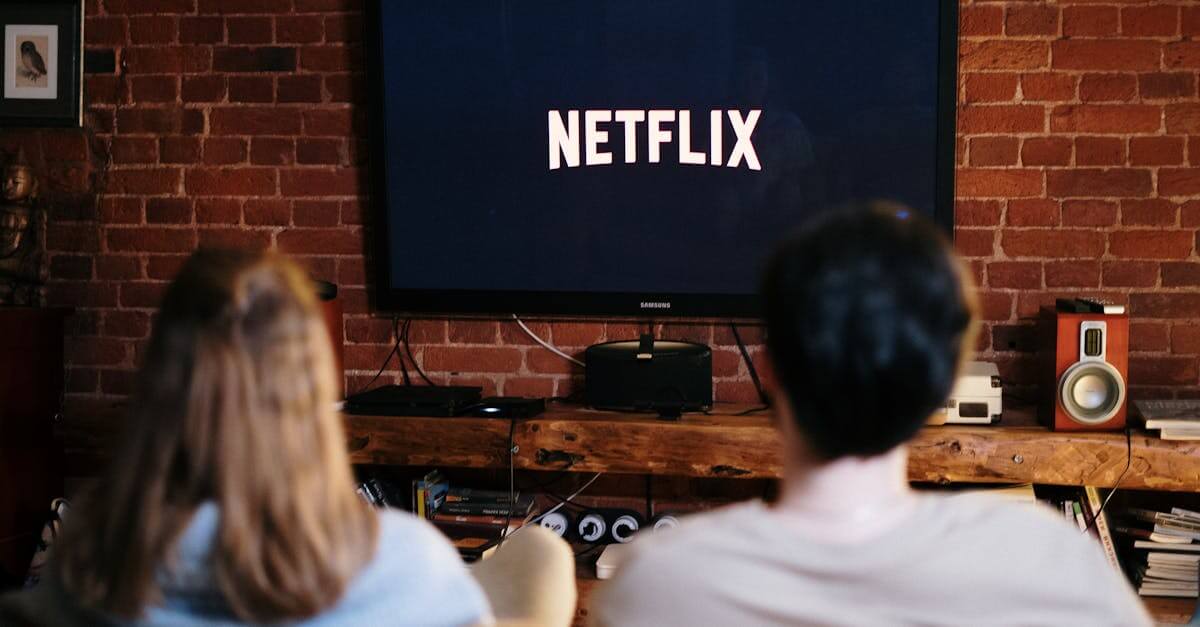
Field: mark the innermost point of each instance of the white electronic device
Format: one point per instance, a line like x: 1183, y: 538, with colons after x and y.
x: 609, y: 560
x: 976, y: 398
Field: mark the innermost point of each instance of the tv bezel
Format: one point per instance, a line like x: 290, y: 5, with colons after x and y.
x: 633, y: 305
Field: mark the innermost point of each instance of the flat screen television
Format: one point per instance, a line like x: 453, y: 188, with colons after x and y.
x: 640, y: 157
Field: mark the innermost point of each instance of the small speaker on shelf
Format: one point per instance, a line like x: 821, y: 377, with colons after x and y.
x: 1091, y: 366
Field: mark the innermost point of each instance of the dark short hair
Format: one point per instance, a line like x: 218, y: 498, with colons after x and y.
x: 867, y: 313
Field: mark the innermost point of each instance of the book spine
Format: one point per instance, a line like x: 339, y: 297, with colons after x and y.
x: 1079, y: 520
x: 365, y: 495
x: 468, y: 495
x: 474, y: 520
x: 468, y: 509
x: 1106, y: 540
x: 1176, y: 531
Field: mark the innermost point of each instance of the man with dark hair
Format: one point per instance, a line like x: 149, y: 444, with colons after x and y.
x: 868, y: 315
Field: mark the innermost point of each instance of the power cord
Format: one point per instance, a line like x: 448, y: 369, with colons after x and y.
x: 399, y: 356
x: 547, y: 345
x: 762, y: 394
x: 512, y: 497
x: 386, y: 360
x: 1117, y: 483
x: 537, y: 519
x: 589, y: 548
x: 413, y: 360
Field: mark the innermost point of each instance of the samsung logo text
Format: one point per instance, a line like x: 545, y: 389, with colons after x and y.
x: 655, y: 305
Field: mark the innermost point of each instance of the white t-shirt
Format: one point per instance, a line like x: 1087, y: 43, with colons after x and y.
x: 957, y: 560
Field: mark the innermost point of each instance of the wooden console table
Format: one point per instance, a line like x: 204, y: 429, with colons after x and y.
x: 723, y: 444
x: 726, y: 445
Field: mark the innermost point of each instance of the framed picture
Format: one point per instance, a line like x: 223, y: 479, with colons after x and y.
x: 41, y: 65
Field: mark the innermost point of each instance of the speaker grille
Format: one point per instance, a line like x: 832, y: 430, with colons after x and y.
x: 1091, y: 392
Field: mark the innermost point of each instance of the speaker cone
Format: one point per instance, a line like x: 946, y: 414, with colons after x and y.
x: 1091, y: 392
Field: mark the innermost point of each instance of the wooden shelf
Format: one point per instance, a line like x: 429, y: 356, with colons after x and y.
x: 726, y: 445
x: 723, y: 445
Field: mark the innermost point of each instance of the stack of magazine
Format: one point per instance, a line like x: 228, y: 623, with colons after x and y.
x: 475, y: 520
x: 1168, y: 560
x: 484, y: 507
x: 1177, y: 419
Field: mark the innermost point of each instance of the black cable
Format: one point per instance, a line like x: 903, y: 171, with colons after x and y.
x: 562, y: 499
x: 747, y: 412
x: 512, y: 498
x: 408, y: 351
x: 559, y: 476
x: 762, y: 394
x: 1128, y: 464
x: 589, y: 549
x: 399, y: 357
x: 383, y: 366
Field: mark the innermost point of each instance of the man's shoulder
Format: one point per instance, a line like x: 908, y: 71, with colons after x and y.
x: 700, y: 536
x: 1017, y: 538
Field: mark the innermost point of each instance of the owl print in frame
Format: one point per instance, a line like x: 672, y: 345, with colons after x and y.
x: 41, y: 63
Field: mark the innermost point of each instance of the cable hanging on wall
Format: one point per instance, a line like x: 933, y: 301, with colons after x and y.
x: 547, y: 345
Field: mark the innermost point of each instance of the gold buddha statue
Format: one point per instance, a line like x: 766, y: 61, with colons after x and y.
x: 23, y: 270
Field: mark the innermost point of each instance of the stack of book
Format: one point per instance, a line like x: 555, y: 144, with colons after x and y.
x: 381, y: 493
x: 1083, y: 509
x: 1174, y: 419
x: 475, y: 520
x: 428, y: 493
x: 483, y: 507
x: 1170, y: 564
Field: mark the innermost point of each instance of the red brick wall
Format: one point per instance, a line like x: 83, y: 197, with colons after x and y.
x: 239, y: 122
x: 1079, y: 172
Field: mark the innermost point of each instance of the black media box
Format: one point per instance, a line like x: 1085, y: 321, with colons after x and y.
x: 415, y: 400
x: 649, y: 375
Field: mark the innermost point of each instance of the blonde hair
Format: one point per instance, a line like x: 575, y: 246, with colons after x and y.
x: 235, y: 406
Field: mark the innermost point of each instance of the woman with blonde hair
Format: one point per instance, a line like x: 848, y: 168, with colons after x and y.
x: 233, y: 499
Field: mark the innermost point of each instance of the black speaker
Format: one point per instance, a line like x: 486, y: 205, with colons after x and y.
x: 666, y: 376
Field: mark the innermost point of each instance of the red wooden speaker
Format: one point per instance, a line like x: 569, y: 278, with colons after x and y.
x: 1091, y: 367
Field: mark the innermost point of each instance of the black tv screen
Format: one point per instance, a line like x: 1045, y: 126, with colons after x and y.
x: 633, y: 157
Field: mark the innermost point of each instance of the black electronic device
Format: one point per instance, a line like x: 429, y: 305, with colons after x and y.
x: 639, y: 157
x: 666, y: 376
x: 508, y: 407
x: 414, y: 400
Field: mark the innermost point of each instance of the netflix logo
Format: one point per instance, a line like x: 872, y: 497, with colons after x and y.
x: 566, y: 146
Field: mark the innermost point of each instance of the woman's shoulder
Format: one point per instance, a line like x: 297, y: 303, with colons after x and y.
x: 415, y: 577
x: 411, y: 546
x: 398, y: 528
